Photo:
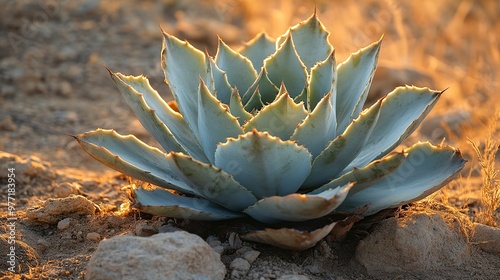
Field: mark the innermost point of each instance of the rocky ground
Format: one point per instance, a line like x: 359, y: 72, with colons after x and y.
x: 72, y: 214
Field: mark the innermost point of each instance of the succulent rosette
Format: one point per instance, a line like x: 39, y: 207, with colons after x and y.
x: 278, y: 132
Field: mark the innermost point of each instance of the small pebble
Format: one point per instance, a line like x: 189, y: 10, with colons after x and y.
x: 168, y: 228
x: 214, y: 243
x: 241, y: 251
x: 65, y: 89
x: 240, y: 265
x: 66, y: 189
x: 234, y: 240
x: 63, y: 224
x: 145, y: 230
x: 7, y: 124
x: 251, y: 256
x: 219, y: 249
x: 93, y: 236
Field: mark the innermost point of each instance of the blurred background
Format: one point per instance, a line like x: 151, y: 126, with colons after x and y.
x: 53, y: 83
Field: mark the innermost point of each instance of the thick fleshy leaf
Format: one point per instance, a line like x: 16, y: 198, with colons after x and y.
x: 222, y: 87
x: 239, y: 69
x: 267, y: 89
x: 237, y: 109
x: 213, y: 184
x: 366, y: 176
x: 319, y: 127
x: 401, y: 113
x: 311, y: 41
x: 302, y: 97
x: 215, y: 123
x: 258, y: 49
x: 183, y: 64
x: 164, y: 203
x: 146, y: 115
x: 279, y: 118
x: 341, y: 151
x: 264, y: 164
x: 297, y: 207
x: 426, y: 169
x: 322, y: 81
x: 176, y: 171
x: 254, y: 103
x: 129, y: 155
x: 154, y: 114
x: 284, y: 66
x: 291, y: 238
x: 354, y: 77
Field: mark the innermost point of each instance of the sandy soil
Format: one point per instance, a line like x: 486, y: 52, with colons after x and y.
x: 53, y: 84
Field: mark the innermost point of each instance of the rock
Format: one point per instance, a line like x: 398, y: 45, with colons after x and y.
x: 240, y: 265
x: 26, y: 169
x: 93, y: 236
x: 145, y: 230
x: 417, y: 243
x: 66, y: 189
x: 251, y: 256
x: 55, y: 209
x: 64, y: 89
x: 63, y: 224
x: 313, y: 268
x: 234, y: 240
x: 7, y: 124
x: 168, y: 228
x: 487, y: 238
x: 175, y: 255
x: 216, y: 245
x: 219, y: 249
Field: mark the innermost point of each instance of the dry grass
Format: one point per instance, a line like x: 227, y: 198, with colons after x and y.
x: 490, y: 191
x: 456, y: 218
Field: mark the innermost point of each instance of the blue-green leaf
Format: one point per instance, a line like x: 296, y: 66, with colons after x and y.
x: 341, y: 151
x: 426, y: 169
x: 322, y: 81
x: 164, y: 203
x: 318, y: 128
x: 401, y: 113
x: 311, y: 41
x: 264, y: 164
x: 222, y: 87
x: 353, y: 83
x: 254, y: 103
x: 279, y: 118
x: 267, y: 90
x: 129, y: 155
x: 258, y: 49
x: 239, y: 69
x: 285, y: 66
x: 366, y: 176
x: 157, y: 116
x: 213, y: 184
x: 183, y: 64
x: 237, y: 109
x: 297, y: 207
x: 215, y: 123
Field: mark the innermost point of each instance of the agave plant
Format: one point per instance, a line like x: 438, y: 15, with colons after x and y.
x: 278, y: 132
